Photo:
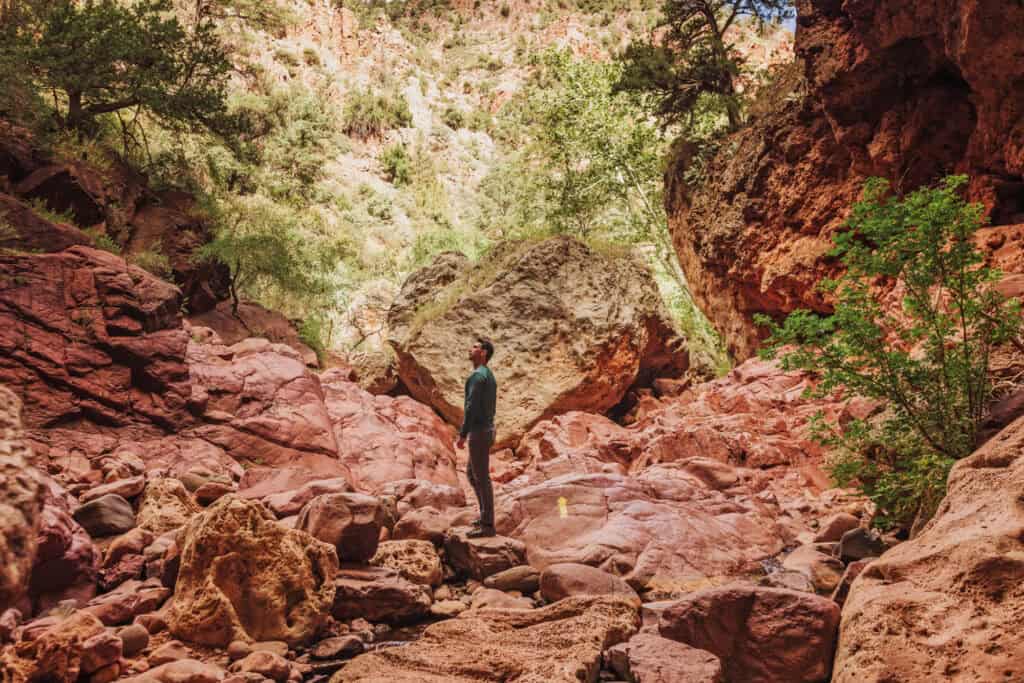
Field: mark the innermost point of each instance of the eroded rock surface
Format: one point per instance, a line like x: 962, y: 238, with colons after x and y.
x: 946, y: 605
x: 560, y: 643
x: 244, y: 577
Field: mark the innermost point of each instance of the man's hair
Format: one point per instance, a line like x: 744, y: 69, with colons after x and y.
x: 487, y: 346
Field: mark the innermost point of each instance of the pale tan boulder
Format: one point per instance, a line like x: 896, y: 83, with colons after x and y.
x: 245, y: 577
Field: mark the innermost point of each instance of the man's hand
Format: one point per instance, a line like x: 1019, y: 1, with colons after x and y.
x: 461, y: 443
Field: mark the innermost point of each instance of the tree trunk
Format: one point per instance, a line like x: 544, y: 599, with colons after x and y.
x: 74, y: 119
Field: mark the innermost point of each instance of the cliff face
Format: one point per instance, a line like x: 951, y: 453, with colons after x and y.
x: 908, y: 91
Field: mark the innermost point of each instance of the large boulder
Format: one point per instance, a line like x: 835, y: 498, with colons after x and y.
x: 245, y: 577
x: 383, y: 439
x: 574, y: 329
x: 416, y: 561
x: 249, y: 319
x: 481, y: 557
x: 21, y: 504
x: 67, y: 562
x: 350, y: 522
x: 561, y: 643
x: 87, y: 337
x: 946, y: 604
x: 762, y: 635
x: 379, y: 594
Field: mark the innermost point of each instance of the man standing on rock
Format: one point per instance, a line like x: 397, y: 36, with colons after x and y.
x: 478, y: 427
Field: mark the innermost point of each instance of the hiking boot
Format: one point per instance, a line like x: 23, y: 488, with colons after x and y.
x: 482, y: 532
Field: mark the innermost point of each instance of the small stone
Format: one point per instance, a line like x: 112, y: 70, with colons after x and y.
x: 833, y: 528
x: 265, y: 663
x: 152, y: 622
x: 100, y: 651
x: 110, y: 672
x: 523, y: 578
x: 860, y: 543
x: 446, y: 609
x: 491, y: 597
x: 107, y: 515
x: 171, y: 651
x: 238, y: 649
x: 443, y: 592
x: 793, y: 580
x: 341, y: 647
x: 212, y: 491
x: 135, y: 638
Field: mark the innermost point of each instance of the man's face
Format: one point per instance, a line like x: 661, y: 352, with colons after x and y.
x: 477, y: 353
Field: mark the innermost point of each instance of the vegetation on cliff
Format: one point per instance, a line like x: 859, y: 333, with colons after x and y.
x: 927, y: 359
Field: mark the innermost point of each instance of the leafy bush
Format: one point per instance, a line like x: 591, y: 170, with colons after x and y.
x: 101, y: 240
x: 313, y: 335
x: 928, y: 362
x: 453, y: 118
x: 154, y: 261
x: 369, y: 114
x: 396, y: 163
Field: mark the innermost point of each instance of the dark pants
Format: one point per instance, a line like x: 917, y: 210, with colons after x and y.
x: 479, y: 472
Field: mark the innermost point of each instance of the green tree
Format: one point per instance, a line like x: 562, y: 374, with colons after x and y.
x: 103, y: 57
x: 927, y: 362
x: 692, y: 57
x: 272, y: 254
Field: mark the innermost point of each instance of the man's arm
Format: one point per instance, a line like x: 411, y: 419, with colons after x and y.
x: 472, y: 405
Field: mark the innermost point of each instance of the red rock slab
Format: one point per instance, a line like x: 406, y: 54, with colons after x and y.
x: 762, y: 635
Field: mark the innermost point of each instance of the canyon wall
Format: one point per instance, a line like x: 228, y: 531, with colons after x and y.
x: 907, y: 91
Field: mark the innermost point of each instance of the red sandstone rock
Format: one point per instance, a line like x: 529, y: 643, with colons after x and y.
x: 253, y: 320
x: 350, y: 522
x: 67, y: 563
x: 56, y: 654
x: 382, y: 439
x: 908, y: 91
x: 21, y: 504
x: 379, y: 594
x: 649, y: 658
x: 260, y: 403
x: 111, y: 349
x: 762, y: 635
x: 559, y: 581
x: 945, y: 605
x: 481, y: 557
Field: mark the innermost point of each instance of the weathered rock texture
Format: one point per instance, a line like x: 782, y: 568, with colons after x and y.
x: 573, y: 330
x: 21, y: 504
x: 947, y: 604
x: 383, y: 439
x: 906, y: 90
x: 87, y: 338
x: 561, y: 643
x: 245, y: 577
x: 761, y: 635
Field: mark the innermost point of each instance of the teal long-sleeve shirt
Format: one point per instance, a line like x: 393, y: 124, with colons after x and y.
x: 481, y: 401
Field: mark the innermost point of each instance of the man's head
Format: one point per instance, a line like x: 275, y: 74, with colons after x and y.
x: 481, y: 351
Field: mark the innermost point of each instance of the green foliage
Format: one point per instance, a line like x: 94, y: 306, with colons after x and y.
x: 397, y: 165
x: 928, y: 362
x: 313, y: 334
x: 154, y: 260
x: 692, y: 57
x: 369, y: 114
x: 43, y: 210
x: 105, y: 57
x: 453, y: 118
x: 275, y: 252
